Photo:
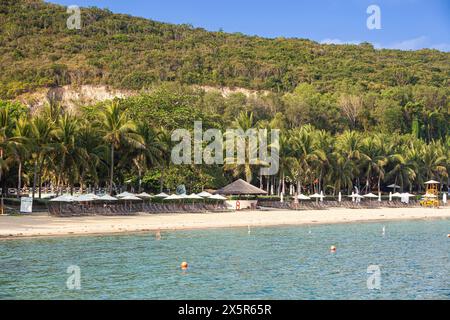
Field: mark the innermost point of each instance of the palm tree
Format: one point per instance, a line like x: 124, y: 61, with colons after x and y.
x: 151, y: 152
x: 117, y: 130
x: 349, y: 145
x: 306, y: 153
x: 165, y: 142
x: 6, y: 122
x: 42, y: 133
x: 434, y: 161
x: 20, y: 147
x: 403, y: 170
x: 373, y: 159
x: 243, y: 122
x: 342, y: 172
x: 69, y: 155
x: 97, y: 152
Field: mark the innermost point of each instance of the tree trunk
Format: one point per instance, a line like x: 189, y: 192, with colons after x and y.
x: 140, y: 180
x: 34, y: 178
x: 19, y: 179
x: 161, y: 179
x: 111, y: 173
x: 40, y: 178
x: 379, y: 183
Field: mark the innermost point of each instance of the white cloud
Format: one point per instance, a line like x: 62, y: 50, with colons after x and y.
x: 410, y: 44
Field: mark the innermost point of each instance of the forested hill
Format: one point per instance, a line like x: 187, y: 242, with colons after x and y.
x: 38, y: 50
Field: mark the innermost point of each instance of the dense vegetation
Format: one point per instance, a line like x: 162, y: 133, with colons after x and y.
x: 120, y: 142
x: 349, y: 114
x: 37, y: 49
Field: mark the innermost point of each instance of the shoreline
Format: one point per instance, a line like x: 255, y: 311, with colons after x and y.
x: 40, y: 226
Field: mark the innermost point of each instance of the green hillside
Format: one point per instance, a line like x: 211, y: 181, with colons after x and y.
x: 37, y: 49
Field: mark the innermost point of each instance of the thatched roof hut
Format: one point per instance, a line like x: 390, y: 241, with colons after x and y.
x: 240, y: 187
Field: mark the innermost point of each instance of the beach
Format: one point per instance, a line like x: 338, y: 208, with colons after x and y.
x: 42, y: 225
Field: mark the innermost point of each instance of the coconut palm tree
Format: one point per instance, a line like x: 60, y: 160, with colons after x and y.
x: 69, y: 155
x: 117, y: 130
x: 243, y: 122
x: 373, y: 159
x: 349, y: 145
x: 434, y: 161
x: 20, y: 147
x: 151, y: 152
x: 42, y: 133
x: 403, y: 169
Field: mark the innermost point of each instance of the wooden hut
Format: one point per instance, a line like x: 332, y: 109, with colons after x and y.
x: 241, y: 188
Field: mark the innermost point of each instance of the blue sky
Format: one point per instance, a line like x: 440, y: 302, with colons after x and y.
x: 405, y: 24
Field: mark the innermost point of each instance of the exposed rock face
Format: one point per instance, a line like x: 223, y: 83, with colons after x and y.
x: 71, y: 97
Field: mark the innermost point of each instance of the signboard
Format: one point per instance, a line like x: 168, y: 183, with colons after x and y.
x: 26, y: 205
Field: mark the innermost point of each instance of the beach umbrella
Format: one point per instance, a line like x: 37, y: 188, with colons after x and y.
x: 397, y: 195
x: 124, y: 194
x: 316, y: 196
x: 204, y: 194
x: 130, y: 197
x: 394, y: 186
x: 340, y: 196
x: 161, y: 195
x: 217, y: 197
x: 432, y: 182
x: 301, y: 196
x: 173, y: 197
x: 107, y: 197
x: 144, y: 195
x: 355, y: 195
x: 370, y: 195
x: 390, y: 196
x: 85, y: 198
x: 63, y: 198
x: 193, y: 196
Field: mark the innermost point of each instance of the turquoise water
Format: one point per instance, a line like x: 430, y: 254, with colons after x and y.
x: 269, y: 263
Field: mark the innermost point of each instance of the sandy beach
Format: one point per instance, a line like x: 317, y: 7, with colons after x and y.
x: 43, y: 225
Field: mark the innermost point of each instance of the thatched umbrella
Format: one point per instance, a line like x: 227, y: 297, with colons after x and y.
x: 241, y: 187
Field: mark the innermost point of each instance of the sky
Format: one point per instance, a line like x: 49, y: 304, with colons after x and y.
x: 404, y: 24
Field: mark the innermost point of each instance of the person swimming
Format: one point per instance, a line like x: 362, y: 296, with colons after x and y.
x: 158, y: 235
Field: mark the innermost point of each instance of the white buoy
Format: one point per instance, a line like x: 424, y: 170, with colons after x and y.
x: 383, y: 231
x: 248, y: 228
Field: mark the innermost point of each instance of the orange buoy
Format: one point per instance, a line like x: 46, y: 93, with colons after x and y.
x: 184, y: 265
x: 333, y: 248
x: 448, y: 236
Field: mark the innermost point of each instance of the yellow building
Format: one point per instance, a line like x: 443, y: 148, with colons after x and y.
x: 431, y: 197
